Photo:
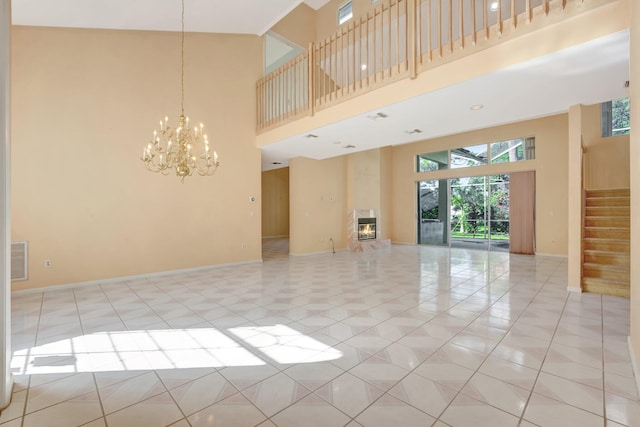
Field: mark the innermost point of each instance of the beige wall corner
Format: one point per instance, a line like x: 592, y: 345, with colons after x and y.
x: 574, y: 192
x: 299, y: 26
x: 317, y: 204
x: 634, y: 155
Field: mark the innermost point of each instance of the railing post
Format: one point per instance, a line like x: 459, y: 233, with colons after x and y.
x: 413, y: 38
x: 311, y: 79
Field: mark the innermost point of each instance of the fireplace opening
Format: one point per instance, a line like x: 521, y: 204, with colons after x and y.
x: 366, y: 228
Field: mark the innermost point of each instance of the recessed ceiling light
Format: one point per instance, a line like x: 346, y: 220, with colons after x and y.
x: 413, y: 131
x: 276, y: 163
x: 349, y: 146
x: 310, y: 136
x: 337, y: 142
x: 378, y: 116
x: 494, y: 6
x: 477, y: 107
x: 363, y: 67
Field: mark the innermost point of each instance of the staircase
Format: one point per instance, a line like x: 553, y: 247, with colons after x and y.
x: 605, y: 268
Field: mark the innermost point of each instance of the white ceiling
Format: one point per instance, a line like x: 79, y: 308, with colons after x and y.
x: 590, y: 73
x: 207, y: 16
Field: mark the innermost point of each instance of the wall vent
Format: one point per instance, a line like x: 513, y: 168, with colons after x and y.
x: 19, y: 270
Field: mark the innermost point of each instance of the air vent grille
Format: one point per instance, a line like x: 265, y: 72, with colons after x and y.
x: 19, y: 269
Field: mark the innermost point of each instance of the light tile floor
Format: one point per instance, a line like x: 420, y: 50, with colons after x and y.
x: 411, y: 336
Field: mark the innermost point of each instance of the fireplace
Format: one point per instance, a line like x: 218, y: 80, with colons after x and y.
x: 366, y: 228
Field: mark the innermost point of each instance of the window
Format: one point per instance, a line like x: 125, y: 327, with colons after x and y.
x: 513, y: 150
x: 615, y: 117
x: 509, y: 151
x: 345, y: 12
x: 433, y: 161
x: 469, y: 156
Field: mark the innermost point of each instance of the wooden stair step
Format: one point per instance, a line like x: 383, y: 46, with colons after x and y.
x: 611, y: 245
x: 607, y: 221
x: 621, y: 233
x: 599, y: 211
x: 606, y: 287
x: 614, y: 192
x: 606, y: 257
x: 607, y: 201
x: 603, y: 271
x: 607, y: 211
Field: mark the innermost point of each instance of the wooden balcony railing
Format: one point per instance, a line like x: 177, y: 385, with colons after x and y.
x: 394, y: 40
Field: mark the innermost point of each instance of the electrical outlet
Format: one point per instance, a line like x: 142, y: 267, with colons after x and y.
x: 48, y: 263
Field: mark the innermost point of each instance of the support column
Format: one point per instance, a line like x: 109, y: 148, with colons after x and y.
x: 574, y: 207
x: 6, y: 381
x: 634, y: 155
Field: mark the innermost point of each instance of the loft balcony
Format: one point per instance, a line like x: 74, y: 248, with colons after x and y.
x: 421, y: 54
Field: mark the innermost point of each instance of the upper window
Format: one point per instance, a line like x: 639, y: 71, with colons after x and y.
x: 615, y: 117
x: 345, y: 12
x: 512, y: 150
x: 433, y: 161
x: 469, y: 156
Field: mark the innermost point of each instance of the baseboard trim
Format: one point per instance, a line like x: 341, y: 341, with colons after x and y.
x: 634, y: 363
x: 133, y: 277
x: 552, y: 255
x: 575, y: 289
x: 404, y: 243
x: 275, y: 237
x: 317, y: 253
x: 5, y: 399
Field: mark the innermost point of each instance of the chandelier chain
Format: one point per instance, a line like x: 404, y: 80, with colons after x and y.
x: 182, y: 63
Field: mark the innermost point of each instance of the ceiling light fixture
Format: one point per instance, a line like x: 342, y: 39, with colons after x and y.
x: 363, y: 67
x: 349, y: 146
x: 185, y: 150
x: 310, y: 136
x: 494, y: 6
x: 413, y: 131
x: 378, y: 116
x: 477, y: 107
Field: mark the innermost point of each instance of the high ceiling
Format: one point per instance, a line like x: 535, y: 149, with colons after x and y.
x: 208, y: 16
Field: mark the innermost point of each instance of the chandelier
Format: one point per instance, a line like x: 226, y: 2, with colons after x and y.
x: 182, y: 148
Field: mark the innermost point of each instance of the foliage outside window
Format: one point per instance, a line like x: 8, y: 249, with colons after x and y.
x: 507, y: 151
x: 345, y: 12
x: 480, y: 207
x: 615, y: 117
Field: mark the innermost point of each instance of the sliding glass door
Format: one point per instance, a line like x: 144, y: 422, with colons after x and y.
x: 433, y: 217
x: 467, y: 212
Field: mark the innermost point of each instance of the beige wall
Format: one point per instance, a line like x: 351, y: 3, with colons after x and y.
x: 85, y: 102
x: 299, y: 26
x: 606, y: 159
x: 551, y: 177
x: 275, y: 202
x: 318, y: 204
